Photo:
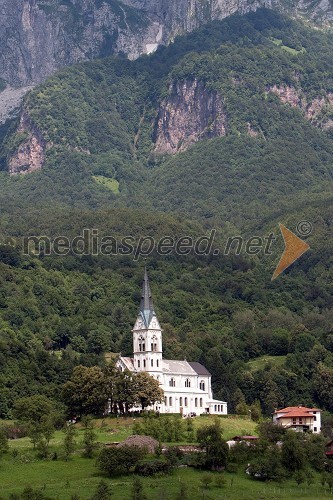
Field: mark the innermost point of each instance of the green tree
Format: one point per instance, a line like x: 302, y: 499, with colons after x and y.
x: 40, y: 415
x: 103, y: 492
x: 137, y: 490
x: 120, y: 389
x: 147, y: 390
x: 293, y: 453
x: 323, y: 385
x: 300, y: 477
x: 216, y: 448
x: 271, y: 432
x: 89, y: 441
x: 3, y: 441
x: 85, y: 392
x: 267, y: 465
x: 119, y: 459
x: 69, y: 440
x: 34, y: 408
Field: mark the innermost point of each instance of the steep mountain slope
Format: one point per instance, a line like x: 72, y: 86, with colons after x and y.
x: 39, y: 36
x: 228, y: 128
x: 260, y: 85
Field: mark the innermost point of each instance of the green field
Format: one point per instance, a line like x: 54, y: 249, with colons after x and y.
x: 108, y: 183
x: 263, y: 361
x: 279, y: 43
x: 60, y: 479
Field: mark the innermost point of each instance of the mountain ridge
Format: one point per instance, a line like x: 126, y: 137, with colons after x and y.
x: 37, y: 37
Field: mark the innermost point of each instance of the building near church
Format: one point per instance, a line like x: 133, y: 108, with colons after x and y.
x: 186, y: 385
x: 299, y: 418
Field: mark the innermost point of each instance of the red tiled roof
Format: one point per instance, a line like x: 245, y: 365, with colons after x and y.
x: 301, y: 414
x: 296, y: 411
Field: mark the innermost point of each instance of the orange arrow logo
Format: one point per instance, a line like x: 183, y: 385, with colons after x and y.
x: 294, y: 248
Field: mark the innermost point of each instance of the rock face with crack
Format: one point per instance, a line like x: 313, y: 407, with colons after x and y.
x: 189, y: 114
x: 30, y: 155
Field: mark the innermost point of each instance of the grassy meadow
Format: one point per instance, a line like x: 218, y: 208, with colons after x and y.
x: 61, y: 480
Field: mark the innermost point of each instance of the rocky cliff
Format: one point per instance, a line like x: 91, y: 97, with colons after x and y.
x: 319, y: 111
x: 39, y: 36
x: 189, y: 114
x: 30, y: 154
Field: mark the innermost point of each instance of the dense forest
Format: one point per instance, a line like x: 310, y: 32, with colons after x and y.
x: 99, y: 119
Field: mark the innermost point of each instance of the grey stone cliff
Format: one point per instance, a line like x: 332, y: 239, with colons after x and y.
x: 37, y: 37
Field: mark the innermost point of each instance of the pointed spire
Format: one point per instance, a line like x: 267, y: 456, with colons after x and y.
x: 146, y: 306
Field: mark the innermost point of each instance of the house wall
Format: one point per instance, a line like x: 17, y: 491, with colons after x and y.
x: 314, y: 425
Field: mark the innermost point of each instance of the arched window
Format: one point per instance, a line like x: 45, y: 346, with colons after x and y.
x: 180, y: 401
x: 152, y: 362
x: 200, y: 402
x: 138, y: 363
x: 153, y: 345
x: 157, y: 363
x: 144, y: 363
x: 187, y: 383
x: 196, y: 402
x: 166, y: 401
x: 172, y: 382
x: 202, y: 385
x: 170, y: 401
x: 142, y: 346
x: 215, y: 407
x: 185, y: 401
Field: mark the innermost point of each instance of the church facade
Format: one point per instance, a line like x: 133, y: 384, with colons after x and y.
x: 186, y: 385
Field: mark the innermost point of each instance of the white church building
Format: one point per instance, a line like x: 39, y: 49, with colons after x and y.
x: 186, y: 385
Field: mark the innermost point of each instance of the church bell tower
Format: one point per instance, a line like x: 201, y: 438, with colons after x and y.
x: 147, y: 334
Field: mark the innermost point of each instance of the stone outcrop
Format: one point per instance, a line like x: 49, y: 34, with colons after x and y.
x: 189, y: 114
x: 313, y: 111
x: 10, y: 102
x: 30, y: 155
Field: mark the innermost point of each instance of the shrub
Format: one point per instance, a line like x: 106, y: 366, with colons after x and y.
x: 119, y: 460
x: 173, y: 454
x: 232, y: 468
x: 152, y: 467
x: 206, y: 480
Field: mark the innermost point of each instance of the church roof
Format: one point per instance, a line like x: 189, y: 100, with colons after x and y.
x: 146, y: 305
x: 184, y: 368
x: 177, y: 367
x: 199, y: 368
x: 128, y: 362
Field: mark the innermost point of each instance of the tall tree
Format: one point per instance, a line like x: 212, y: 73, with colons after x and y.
x: 216, y: 448
x: 69, y: 440
x: 85, y: 392
x: 147, y: 390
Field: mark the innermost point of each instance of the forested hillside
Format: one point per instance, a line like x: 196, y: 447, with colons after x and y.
x: 115, y: 155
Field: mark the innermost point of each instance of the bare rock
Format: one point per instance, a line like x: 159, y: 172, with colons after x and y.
x: 190, y: 113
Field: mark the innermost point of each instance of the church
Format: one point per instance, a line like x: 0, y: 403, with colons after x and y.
x: 186, y: 385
